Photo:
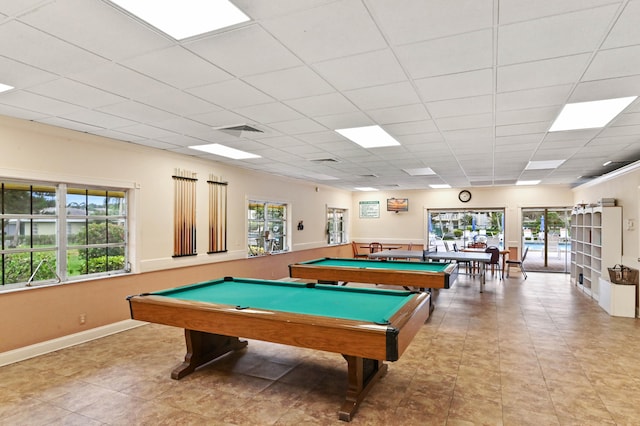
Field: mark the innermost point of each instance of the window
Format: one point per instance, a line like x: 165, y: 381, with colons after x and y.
x: 267, y: 225
x: 55, y: 233
x: 463, y: 227
x: 336, y: 226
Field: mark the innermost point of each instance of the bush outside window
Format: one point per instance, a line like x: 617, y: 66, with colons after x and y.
x: 55, y: 232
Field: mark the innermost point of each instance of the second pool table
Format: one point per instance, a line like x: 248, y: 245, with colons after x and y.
x: 389, y: 272
x: 366, y: 326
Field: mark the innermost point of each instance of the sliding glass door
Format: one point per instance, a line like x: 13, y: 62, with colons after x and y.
x: 463, y: 227
x: 545, y: 231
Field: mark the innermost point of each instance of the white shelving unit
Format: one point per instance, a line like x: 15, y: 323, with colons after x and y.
x: 596, y: 244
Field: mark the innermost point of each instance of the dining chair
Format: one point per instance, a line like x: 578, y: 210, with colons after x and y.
x: 495, y: 259
x: 354, y: 247
x: 467, y: 265
x: 375, y: 247
x: 519, y: 263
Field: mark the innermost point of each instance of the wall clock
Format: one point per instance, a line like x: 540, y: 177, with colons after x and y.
x: 464, y: 196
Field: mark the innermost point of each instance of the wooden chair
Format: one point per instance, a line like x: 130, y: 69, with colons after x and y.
x: 375, y: 247
x: 519, y: 263
x: 495, y: 259
x: 467, y: 265
x: 356, y: 254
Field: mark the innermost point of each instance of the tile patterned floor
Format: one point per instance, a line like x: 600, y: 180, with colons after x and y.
x: 534, y: 352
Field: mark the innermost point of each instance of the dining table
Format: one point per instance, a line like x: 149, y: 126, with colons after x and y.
x: 504, y: 254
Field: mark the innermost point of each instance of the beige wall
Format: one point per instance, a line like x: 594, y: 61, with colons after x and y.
x: 39, y: 152
x: 411, y: 227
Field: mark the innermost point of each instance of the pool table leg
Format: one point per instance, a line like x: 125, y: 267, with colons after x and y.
x: 203, y: 347
x: 362, y: 374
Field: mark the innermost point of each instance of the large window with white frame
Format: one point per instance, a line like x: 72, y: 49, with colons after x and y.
x: 59, y: 232
x: 267, y: 227
x: 336, y: 226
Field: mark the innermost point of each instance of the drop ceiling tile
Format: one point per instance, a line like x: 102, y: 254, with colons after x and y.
x: 344, y: 121
x: 546, y: 72
x: 462, y: 106
x: 269, y: 113
x: 411, y: 128
x: 137, y: 112
x: 122, y: 81
x: 146, y: 131
x: 528, y: 115
x: 33, y: 102
x: 524, y: 10
x: 97, y: 27
x: 465, y: 122
x: 177, y: 67
x: 13, y: 8
x: 178, y: 102
x: 400, y: 114
x: 294, y: 127
x: 553, y: 36
x: 245, y: 51
x: 219, y: 119
x: 626, y: 30
x: 523, y: 129
x: 43, y: 51
x: 263, y: 10
x: 185, y: 126
x: 76, y: 93
x: 452, y: 86
x: 322, y: 105
x: 354, y: 72
x: 22, y: 76
x: 620, y: 62
x: 98, y: 119
x: 231, y: 94
x: 389, y: 95
x: 24, y: 114
x: 606, y: 89
x: 464, y: 52
x: 533, y: 98
x: 291, y: 83
x: 69, y: 124
x: 328, y: 31
x: 628, y: 119
x: 419, y: 20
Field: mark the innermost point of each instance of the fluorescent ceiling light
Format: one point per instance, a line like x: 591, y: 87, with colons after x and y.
x: 424, y: 171
x: 365, y: 188
x: 5, y: 87
x: 527, y: 182
x: 368, y: 136
x: 185, y: 18
x: 224, y: 151
x: 544, y: 165
x: 606, y: 163
x: 590, y: 115
x: 440, y: 186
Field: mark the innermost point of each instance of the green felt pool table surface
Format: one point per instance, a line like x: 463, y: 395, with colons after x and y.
x: 390, y: 272
x: 361, y: 304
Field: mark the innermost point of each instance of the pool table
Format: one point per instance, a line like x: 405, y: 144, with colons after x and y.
x: 366, y: 326
x: 390, y: 272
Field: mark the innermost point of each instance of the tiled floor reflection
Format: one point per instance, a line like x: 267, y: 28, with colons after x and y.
x: 534, y: 352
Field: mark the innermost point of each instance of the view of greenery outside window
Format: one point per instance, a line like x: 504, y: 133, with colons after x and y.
x: 39, y: 235
x: 96, y: 231
x: 336, y: 226
x: 267, y: 228
x: 463, y: 227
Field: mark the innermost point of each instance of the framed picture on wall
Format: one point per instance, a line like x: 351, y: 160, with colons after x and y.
x: 397, y: 205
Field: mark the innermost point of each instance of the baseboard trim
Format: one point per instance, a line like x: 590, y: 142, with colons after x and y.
x: 42, y: 348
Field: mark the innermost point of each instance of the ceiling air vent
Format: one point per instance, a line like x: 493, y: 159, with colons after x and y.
x: 325, y: 160
x: 239, y: 129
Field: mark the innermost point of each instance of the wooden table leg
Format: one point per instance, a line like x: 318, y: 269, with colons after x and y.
x: 362, y: 374
x: 204, y: 347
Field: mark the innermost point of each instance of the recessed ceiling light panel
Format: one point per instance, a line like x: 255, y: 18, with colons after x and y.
x: 224, y: 151
x: 185, y: 18
x: 589, y: 115
x: 424, y: 171
x: 369, y: 136
x: 527, y: 182
x: 440, y: 186
x: 5, y: 87
x: 544, y: 165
